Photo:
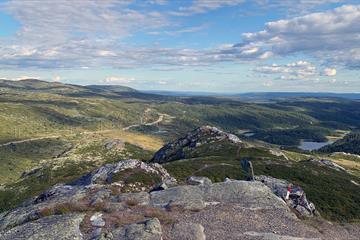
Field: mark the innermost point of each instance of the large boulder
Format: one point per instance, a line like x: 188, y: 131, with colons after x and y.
x: 297, y: 198
x: 57, y: 227
x: 246, y: 194
x: 178, y: 149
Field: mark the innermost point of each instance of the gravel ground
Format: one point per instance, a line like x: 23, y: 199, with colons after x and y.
x: 232, y: 222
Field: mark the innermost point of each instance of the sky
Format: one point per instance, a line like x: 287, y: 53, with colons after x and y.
x: 185, y: 45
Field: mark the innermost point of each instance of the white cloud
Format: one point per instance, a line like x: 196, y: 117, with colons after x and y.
x: 118, y: 79
x: 330, y: 72
x: 20, y: 78
x: 48, y: 37
x: 202, y: 6
x: 292, y: 71
x: 106, y: 53
x: 333, y: 35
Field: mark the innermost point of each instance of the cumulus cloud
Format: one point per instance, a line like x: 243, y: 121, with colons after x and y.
x: 291, y: 71
x: 333, y: 34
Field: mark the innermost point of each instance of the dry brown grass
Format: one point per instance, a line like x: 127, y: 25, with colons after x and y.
x: 115, y: 190
x: 144, y: 141
x: 64, y: 208
x: 131, y: 202
x: 164, y: 217
x: 120, y: 218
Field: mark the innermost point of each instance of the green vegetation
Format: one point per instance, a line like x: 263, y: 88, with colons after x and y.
x: 349, y: 144
x: 136, y: 176
x: 292, y: 137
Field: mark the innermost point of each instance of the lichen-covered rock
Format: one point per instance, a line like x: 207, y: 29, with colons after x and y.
x: 246, y: 194
x: 58, y: 227
x: 147, y: 230
x: 97, y: 220
x: 206, y: 134
x: 297, y: 198
x: 105, y: 174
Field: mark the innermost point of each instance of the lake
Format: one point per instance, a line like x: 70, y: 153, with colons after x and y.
x: 309, y: 146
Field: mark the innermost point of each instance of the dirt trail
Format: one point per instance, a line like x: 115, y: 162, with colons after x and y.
x: 159, y: 120
x: 28, y: 140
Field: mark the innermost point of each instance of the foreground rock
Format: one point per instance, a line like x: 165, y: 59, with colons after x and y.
x: 297, y: 198
x: 178, y: 149
x: 61, y: 227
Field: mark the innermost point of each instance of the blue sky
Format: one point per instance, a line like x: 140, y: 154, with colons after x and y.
x: 199, y: 45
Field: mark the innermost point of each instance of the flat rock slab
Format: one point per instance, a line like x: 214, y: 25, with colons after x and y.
x: 247, y: 194
x: 58, y: 227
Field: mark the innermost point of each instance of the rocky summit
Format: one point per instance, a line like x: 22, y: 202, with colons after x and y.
x: 183, y: 147
x: 100, y: 206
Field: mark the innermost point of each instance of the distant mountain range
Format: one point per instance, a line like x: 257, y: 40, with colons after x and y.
x: 258, y: 95
x: 35, y: 85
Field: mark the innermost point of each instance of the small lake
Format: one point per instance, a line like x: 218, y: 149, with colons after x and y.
x: 309, y: 146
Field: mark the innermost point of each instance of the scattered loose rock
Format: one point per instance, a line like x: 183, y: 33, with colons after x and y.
x: 188, y: 231
x: 148, y: 230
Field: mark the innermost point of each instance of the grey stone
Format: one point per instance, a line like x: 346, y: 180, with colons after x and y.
x: 96, y: 220
x: 59, y: 227
x: 195, y: 180
x: 147, y: 230
x: 246, y: 194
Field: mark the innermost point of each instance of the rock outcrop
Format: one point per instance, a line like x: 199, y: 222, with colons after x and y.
x: 94, y: 208
x: 106, y: 174
x: 297, y: 198
x: 327, y: 163
x: 177, y: 150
